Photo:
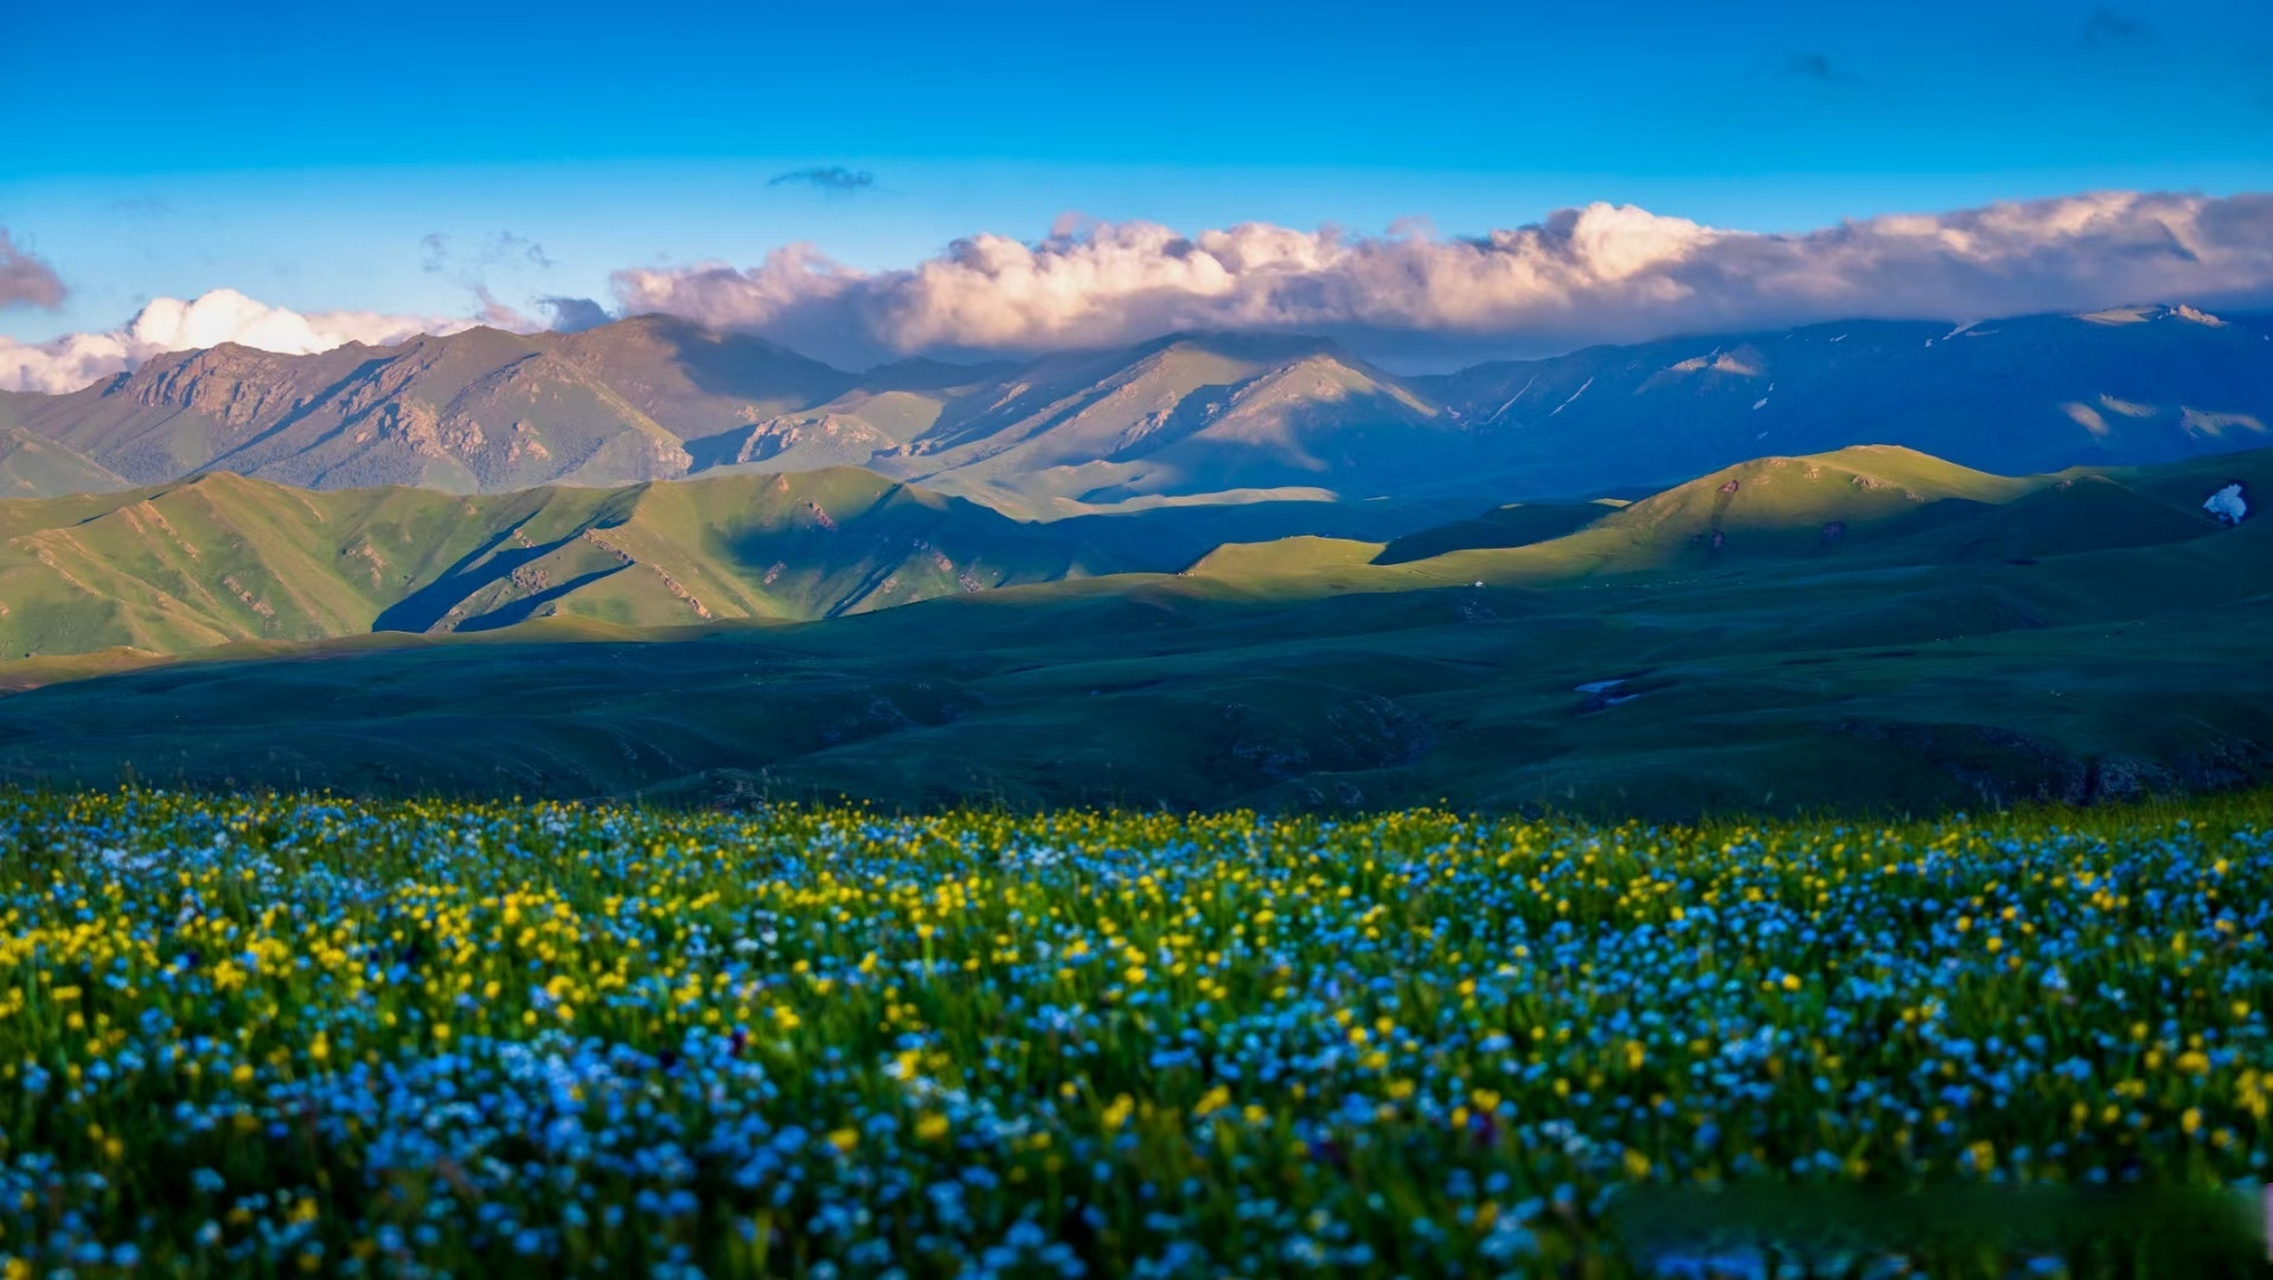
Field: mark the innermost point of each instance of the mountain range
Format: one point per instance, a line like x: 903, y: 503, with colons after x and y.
x: 1186, y: 419
x: 1869, y: 564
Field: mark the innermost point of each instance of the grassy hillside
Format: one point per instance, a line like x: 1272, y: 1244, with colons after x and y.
x: 1917, y: 661
x: 223, y: 558
x: 1847, y: 508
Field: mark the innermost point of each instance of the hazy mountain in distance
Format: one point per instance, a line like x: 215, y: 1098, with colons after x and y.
x: 2035, y: 393
x: 1187, y: 418
x: 1188, y: 415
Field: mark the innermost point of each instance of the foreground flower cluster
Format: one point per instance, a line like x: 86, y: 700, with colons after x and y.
x: 285, y: 1035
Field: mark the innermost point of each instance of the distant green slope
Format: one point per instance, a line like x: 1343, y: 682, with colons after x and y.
x: 1859, y: 503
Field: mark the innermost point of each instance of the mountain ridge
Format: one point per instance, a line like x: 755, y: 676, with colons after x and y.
x: 1188, y: 416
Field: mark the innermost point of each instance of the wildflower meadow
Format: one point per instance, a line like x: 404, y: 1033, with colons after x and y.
x: 296, y: 1035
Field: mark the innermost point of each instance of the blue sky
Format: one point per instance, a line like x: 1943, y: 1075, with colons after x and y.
x: 305, y: 153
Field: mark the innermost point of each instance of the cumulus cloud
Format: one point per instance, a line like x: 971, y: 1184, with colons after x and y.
x: 573, y: 315
x: 25, y: 279
x: 171, y: 324
x: 497, y: 314
x: 1599, y: 273
x: 834, y: 179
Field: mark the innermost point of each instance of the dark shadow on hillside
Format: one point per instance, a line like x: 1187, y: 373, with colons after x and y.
x: 718, y: 449
x: 1162, y: 692
x: 525, y: 608
x: 1511, y: 526
x: 422, y: 609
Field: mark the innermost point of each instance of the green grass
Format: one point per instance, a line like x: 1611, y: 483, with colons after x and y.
x: 1961, y: 641
x: 222, y: 558
x: 293, y: 1034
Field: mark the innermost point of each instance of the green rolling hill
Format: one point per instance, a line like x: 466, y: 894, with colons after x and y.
x: 222, y: 558
x: 1874, y: 628
x: 1837, y: 511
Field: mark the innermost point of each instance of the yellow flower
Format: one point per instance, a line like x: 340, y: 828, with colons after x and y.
x: 931, y: 1127
x: 844, y: 1140
x: 1117, y: 1112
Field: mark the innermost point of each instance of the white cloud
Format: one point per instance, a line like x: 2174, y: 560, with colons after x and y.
x: 171, y: 324
x: 1599, y: 273
x: 1602, y: 273
x: 225, y: 315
